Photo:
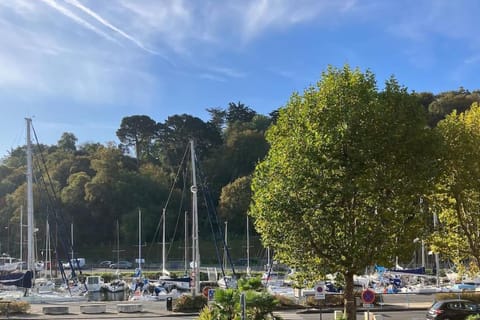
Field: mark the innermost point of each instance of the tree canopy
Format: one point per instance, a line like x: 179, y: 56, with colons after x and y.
x: 339, y: 189
x: 457, y: 195
x: 347, y: 160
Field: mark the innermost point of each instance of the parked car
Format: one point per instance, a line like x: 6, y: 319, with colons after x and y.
x: 452, y: 309
x: 121, y: 265
x: 105, y: 264
x: 75, y: 262
x: 464, y: 286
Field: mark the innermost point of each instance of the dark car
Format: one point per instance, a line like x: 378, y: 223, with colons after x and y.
x: 121, y: 265
x: 105, y: 264
x: 453, y: 309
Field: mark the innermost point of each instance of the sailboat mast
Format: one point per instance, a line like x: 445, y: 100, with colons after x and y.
x: 30, y: 249
x: 226, y: 246
x: 248, y: 248
x: 139, y: 239
x: 437, y: 259
x: 195, y: 249
x: 71, y: 239
x: 21, y: 236
x: 118, y: 243
x: 47, y: 261
x: 185, y: 253
x: 163, y: 244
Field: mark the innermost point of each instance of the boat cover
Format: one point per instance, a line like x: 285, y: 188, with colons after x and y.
x: 19, y: 279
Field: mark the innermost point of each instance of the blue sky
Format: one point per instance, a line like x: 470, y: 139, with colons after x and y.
x: 80, y: 66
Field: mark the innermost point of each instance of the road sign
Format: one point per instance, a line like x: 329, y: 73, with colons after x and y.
x: 368, y: 296
x: 211, y: 294
x: 320, y: 291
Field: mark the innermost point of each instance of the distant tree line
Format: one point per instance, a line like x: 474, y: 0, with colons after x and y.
x: 94, y: 185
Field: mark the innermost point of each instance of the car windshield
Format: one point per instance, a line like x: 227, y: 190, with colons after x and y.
x: 471, y: 306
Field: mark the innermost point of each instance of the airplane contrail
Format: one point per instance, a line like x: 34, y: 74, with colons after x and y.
x: 77, y: 19
x: 100, y: 19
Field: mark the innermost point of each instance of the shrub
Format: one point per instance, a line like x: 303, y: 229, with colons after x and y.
x: 285, y: 302
x: 14, y: 307
x: 245, y: 284
x: 108, y: 276
x: 226, y: 305
x: 473, y: 317
x: 472, y: 296
x: 260, y: 305
x: 206, y: 314
x: 331, y: 300
x: 187, y: 303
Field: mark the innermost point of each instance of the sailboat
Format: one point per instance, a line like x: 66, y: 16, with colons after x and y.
x: 226, y: 281
x: 116, y: 285
x: 191, y: 282
x: 20, y: 278
x: 33, y: 292
x: 165, y: 280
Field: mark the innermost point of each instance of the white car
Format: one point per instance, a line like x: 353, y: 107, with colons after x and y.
x: 81, y: 263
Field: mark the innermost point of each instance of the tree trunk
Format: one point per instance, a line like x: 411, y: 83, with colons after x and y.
x: 350, y: 309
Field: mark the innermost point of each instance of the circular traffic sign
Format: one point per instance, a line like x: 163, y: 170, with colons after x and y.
x: 368, y: 296
x: 319, y: 289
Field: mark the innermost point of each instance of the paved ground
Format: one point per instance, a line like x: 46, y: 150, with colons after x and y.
x: 150, y: 309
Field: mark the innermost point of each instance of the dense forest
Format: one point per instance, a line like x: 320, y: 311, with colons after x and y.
x: 92, y: 186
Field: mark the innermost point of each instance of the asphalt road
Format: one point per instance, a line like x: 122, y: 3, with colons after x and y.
x: 387, y: 315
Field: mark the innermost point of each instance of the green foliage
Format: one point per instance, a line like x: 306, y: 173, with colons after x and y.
x: 99, y: 184
x: 108, y: 276
x: 473, y: 317
x: 206, y: 314
x: 254, y: 283
x: 457, y: 196
x: 286, y: 302
x: 67, y: 142
x: 226, y: 305
x: 343, y: 178
x: 331, y: 300
x: 174, y: 136
x: 472, y: 296
x: 260, y: 305
x: 187, y: 303
x: 14, y: 307
x: 234, y: 203
x: 138, y: 132
x: 238, y: 112
x: 446, y: 102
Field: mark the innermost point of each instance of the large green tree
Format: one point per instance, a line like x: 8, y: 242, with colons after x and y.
x: 138, y: 132
x: 67, y: 142
x: 457, y: 196
x: 339, y: 189
x: 234, y: 203
x: 175, y: 134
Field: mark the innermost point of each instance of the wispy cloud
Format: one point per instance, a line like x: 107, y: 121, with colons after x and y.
x: 46, y: 57
x: 169, y: 24
x: 77, y: 19
x: 229, y: 72
x: 472, y: 59
x: 212, y: 77
x: 104, y: 22
x: 261, y: 15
